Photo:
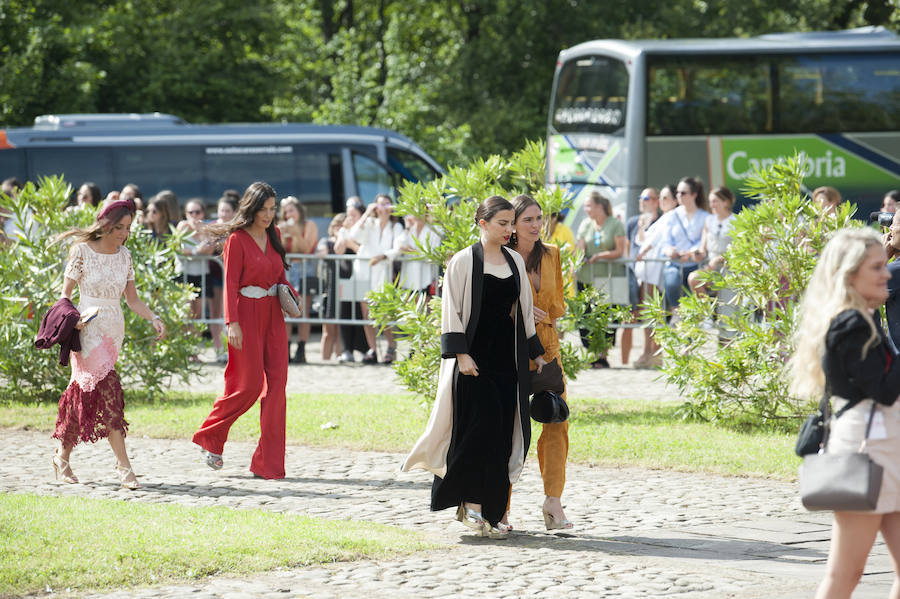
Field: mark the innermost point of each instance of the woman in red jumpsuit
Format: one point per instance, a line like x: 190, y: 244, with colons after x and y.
x: 257, y: 342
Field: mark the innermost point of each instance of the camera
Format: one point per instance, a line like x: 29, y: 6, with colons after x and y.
x: 884, y: 219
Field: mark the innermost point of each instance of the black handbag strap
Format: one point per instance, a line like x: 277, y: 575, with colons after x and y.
x: 871, y: 416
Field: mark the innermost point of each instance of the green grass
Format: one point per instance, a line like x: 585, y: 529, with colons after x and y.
x: 80, y: 543
x: 615, y: 433
x: 370, y: 423
x: 651, y: 435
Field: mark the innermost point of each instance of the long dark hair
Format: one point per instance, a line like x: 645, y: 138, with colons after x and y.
x: 393, y: 218
x: 301, y: 210
x: 724, y: 194
x: 601, y: 200
x: 490, y: 207
x: 161, y: 204
x: 94, y: 189
x: 252, y: 202
x: 696, y: 185
x: 520, y: 204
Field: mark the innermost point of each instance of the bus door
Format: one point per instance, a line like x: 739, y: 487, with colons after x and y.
x: 586, y: 149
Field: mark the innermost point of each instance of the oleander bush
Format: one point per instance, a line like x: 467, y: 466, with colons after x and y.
x: 741, y: 375
x: 31, y: 273
x: 449, y: 204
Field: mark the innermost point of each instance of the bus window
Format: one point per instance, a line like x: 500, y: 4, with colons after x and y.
x: 236, y: 167
x: 409, y: 166
x: 835, y: 93
x: 707, y: 95
x: 160, y: 167
x: 12, y: 163
x: 371, y: 178
x: 87, y: 164
x: 591, y: 96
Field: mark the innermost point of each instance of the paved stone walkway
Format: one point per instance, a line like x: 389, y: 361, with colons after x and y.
x: 639, y: 533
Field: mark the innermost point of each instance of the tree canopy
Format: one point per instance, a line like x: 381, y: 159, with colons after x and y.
x: 464, y: 78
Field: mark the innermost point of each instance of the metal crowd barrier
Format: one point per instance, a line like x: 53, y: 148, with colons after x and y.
x: 350, y: 290
x: 617, y: 278
x: 353, y: 290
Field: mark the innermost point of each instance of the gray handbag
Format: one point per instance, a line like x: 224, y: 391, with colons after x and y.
x: 840, y: 481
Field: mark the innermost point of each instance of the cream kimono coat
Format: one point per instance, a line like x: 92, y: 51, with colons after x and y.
x: 460, y: 307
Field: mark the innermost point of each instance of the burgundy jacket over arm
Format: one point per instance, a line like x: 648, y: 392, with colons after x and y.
x: 58, y: 326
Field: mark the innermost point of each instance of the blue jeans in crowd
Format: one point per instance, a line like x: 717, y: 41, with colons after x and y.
x: 675, y: 275
x: 634, y: 289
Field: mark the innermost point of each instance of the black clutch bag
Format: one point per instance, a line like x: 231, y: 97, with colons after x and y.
x: 547, y: 387
x: 811, y: 437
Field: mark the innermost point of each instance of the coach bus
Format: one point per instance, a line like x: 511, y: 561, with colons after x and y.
x: 320, y: 164
x: 629, y: 114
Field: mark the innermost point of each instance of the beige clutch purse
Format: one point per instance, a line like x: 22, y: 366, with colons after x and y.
x: 290, y: 303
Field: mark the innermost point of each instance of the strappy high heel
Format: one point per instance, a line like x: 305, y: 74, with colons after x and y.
x: 470, y: 518
x: 501, y: 531
x: 123, y: 473
x: 59, y: 470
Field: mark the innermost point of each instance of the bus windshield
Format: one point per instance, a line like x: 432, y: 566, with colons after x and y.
x: 591, y: 96
x: 822, y: 93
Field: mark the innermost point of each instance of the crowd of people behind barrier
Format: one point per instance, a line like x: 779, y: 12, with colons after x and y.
x: 679, y: 231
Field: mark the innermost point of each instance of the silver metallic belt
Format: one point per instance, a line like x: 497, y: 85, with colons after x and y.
x: 254, y: 292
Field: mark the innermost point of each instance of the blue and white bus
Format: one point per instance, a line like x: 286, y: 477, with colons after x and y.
x: 625, y: 115
x: 320, y: 164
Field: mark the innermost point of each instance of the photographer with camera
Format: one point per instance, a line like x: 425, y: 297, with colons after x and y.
x: 890, y: 223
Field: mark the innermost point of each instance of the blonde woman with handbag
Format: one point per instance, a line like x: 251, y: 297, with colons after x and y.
x: 841, y: 348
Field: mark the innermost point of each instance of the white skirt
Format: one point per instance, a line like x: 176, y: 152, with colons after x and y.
x: 883, y: 445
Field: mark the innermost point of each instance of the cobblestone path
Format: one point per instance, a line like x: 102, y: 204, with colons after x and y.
x: 639, y: 533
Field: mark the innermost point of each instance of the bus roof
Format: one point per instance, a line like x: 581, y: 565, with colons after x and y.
x: 126, y: 130
x: 850, y: 40
x: 54, y: 122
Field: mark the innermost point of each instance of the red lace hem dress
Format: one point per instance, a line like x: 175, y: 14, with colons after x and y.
x: 93, y: 404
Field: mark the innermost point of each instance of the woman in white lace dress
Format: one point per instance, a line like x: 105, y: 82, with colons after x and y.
x: 93, y: 406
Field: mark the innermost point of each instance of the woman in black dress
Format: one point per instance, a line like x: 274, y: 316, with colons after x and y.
x: 478, y: 434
